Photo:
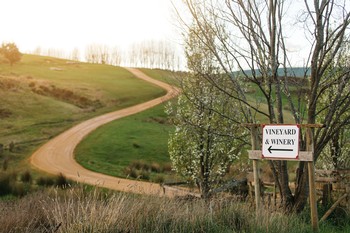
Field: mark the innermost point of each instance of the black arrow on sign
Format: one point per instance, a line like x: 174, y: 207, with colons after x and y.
x: 270, y: 149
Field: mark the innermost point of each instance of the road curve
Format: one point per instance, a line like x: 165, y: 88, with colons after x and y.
x: 57, y: 155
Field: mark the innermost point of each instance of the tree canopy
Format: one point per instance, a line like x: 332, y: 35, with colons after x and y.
x: 10, y: 52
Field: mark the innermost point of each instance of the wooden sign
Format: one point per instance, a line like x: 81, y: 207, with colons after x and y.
x: 280, y: 141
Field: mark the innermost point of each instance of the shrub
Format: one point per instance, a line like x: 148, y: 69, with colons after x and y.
x: 19, y: 189
x: 5, y: 164
x: 136, y: 145
x: 26, y: 177
x: 167, y: 167
x: 144, y: 175
x: 155, y: 167
x: 12, y: 147
x: 32, y: 85
x: 5, y: 187
x: 45, y: 181
x: 139, y: 165
x: 61, y: 181
x: 146, y: 166
x: 131, y: 172
x: 9, y: 185
x: 158, y: 179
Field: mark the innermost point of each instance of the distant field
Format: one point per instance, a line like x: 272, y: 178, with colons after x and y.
x: 42, y: 96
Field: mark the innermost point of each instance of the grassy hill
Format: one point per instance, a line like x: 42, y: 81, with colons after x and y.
x: 135, y: 146
x: 43, y: 96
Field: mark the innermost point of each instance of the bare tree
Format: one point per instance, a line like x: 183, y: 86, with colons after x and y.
x: 75, y: 55
x: 116, y: 56
x: 37, y: 51
x: 153, y: 54
x: 55, y: 52
x: 92, y: 53
x: 250, y: 47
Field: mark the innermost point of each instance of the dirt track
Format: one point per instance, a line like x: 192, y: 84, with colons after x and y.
x: 57, y: 155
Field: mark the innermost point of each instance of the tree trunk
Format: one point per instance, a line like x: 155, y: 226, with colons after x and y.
x: 302, y: 188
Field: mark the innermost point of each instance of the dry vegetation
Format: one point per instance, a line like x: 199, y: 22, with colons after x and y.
x: 65, y: 95
x: 45, y: 88
x: 139, y: 169
x: 78, y: 210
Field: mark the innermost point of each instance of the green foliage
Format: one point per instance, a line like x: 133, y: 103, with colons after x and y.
x: 204, y: 144
x: 207, y: 136
x: 10, y: 52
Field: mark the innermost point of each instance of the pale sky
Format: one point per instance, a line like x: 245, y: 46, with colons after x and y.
x: 69, y: 24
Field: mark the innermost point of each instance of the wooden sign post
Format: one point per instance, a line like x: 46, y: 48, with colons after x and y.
x: 256, y: 146
x: 281, y: 142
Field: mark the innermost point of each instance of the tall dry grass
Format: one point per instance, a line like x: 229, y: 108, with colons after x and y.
x: 78, y: 210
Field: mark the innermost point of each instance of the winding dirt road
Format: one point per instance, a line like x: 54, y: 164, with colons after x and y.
x: 57, y: 155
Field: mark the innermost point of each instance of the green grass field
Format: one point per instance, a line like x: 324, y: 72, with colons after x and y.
x: 43, y: 96
x: 115, y: 146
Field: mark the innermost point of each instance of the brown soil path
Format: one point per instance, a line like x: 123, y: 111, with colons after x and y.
x: 57, y: 155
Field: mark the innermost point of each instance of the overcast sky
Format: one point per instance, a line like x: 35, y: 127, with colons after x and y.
x: 69, y: 24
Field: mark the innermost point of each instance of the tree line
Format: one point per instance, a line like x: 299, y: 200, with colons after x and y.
x: 147, y: 54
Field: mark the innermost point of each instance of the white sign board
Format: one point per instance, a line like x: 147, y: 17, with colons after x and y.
x: 280, y: 141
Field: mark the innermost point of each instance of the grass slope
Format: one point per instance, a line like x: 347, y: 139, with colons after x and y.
x: 166, y: 76
x: 42, y: 96
x: 113, y: 147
